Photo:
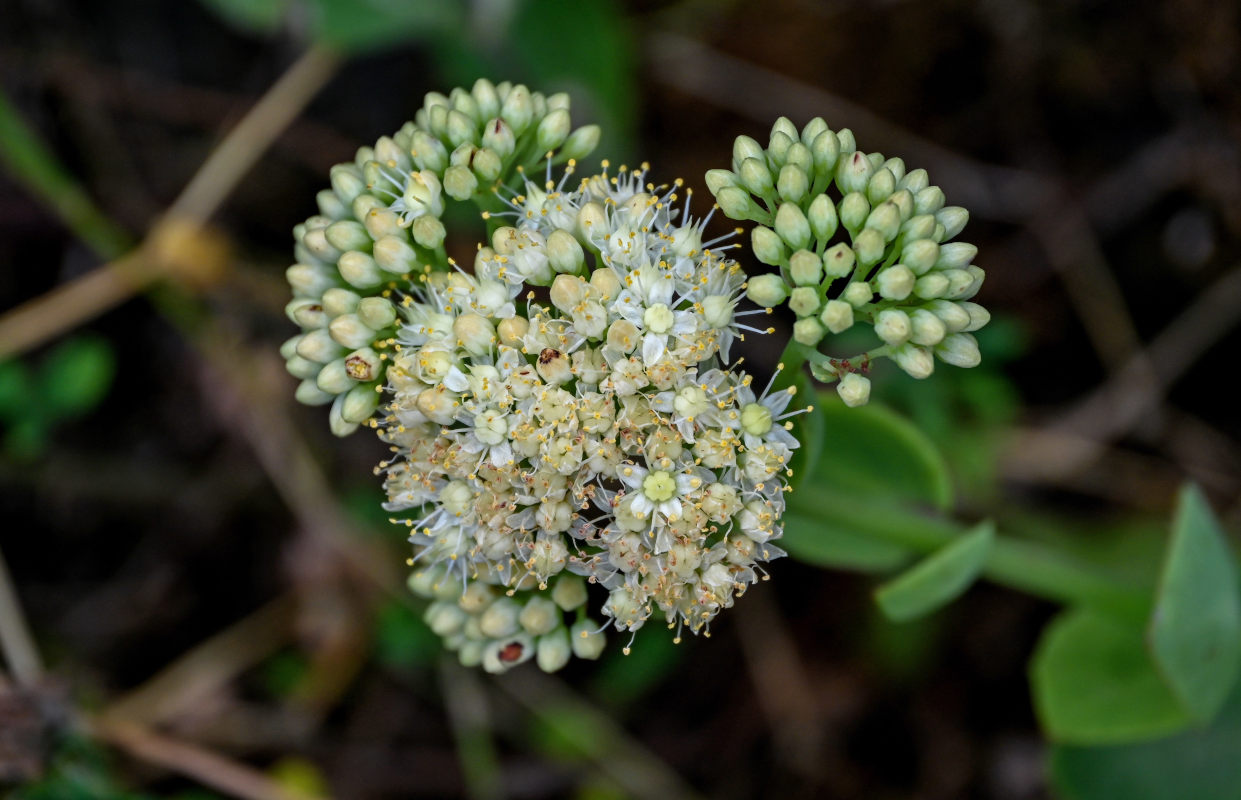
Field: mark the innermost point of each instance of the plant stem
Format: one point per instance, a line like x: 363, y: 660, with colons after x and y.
x: 1022, y: 565
x: 15, y: 640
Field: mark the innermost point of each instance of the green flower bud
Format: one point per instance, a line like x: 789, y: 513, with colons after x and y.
x: 540, y: 616
x: 978, y: 315
x: 348, y: 235
x: 767, y: 290
x: 330, y: 205
x: 487, y: 165
x: 310, y: 280
x: 854, y: 389
x: 799, y: 156
x: 378, y: 219
x: 376, y: 313
x: 552, y: 130
x: 853, y: 173
x: 778, y: 148
x: 360, y: 270
x: 806, y: 268
x: 804, y: 300
x: 876, y: 160
x: 428, y: 232
x: 517, y: 109
x: 919, y: 227
x: 498, y: 137
x: 808, y: 331
x: 459, y: 182
x: 920, y: 255
x: 837, y: 316
x: 896, y: 166
x: 359, y: 404
x: 959, y: 282
x: 470, y: 654
x: 893, y: 326
x: 475, y: 333
x: 932, y: 285
x: 340, y: 301
x: 853, y: 211
x: 955, y: 317
x: 347, y: 183
x: 812, y: 130
x: 847, y: 143
x: 792, y: 226
x: 288, y: 348
x: 319, y: 346
x: 838, y: 261
x: 336, y: 420
x: 868, y: 245
x: 825, y: 150
x: 306, y: 312
x: 822, y: 218
x: 349, y: 332
x: 785, y: 125
x: 581, y: 143
x: 428, y: 152
x: 953, y: 218
x: 501, y: 618
x: 569, y: 592
x: 904, y: 201
x: 885, y: 219
x: 857, y: 294
x: 768, y: 247
x: 485, y: 96
x: 955, y: 255
x: 564, y: 253
x: 895, y: 283
x: 959, y: 350
x: 717, y: 179
x: 756, y: 177
x: 316, y: 243
x: 792, y: 184
x: 929, y: 200
x: 745, y: 147
x: 460, y: 128
x: 735, y: 202
x: 553, y: 650
x: 587, y: 640
x: 915, y: 181
x: 333, y: 378
x: 559, y: 100
x: 882, y: 184
x: 309, y: 394
x: 503, y: 654
x: 393, y: 254
x: 916, y: 361
x: 302, y: 368
x: 422, y: 583
x: 465, y: 103
x: 925, y: 328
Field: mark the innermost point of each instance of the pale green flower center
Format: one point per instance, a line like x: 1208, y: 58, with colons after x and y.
x: 658, y: 318
x: 659, y: 486
x: 756, y: 419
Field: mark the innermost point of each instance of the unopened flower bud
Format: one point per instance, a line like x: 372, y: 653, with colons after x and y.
x: 717, y: 179
x: 512, y: 331
x: 778, y: 148
x: 359, y: 404
x: 517, y: 109
x: 793, y: 184
x: 919, y: 227
x: 306, y: 312
x: 838, y: 261
x: 853, y: 173
x: 837, y: 316
x: 825, y: 150
x: 745, y: 147
x: 395, y: 255
x: 886, y: 219
x: 792, y: 227
x: 333, y: 377
x: 854, y: 389
x: 812, y: 130
x: 767, y: 290
x: 735, y: 202
x: 929, y: 200
x: 822, y: 218
x: 501, y: 618
x: 581, y: 143
x: 428, y: 232
x: 349, y: 331
x: 915, y: 181
x: 955, y: 255
x: 959, y: 282
x: 347, y: 182
x: 857, y: 294
x: 539, y: 616
x: 423, y: 194
x: 916, y: 361
x: 319, y: 346
x: 767, y: 245
x: 503, y: 654
x: 460, y: 182
x: 953, y: 218
x: 444, y: 618
x: 959, y: 350
x: 880, y: 186
x: 755, y: 176
x: 895, y: 283
x: 553, y: 650
x: 316, y: 244
x: 799, y: 156
x: 348, y: 235
x: 498, y: 137
x: 487, y: 165
x: 955, y: 317
x: 475, y: 333
x: 804, y: 300
x: 360, y: 270
x: 893, y: 326
x: 854, y: 209
x: 808, y: 331
x: 868, y: 246
x: 587, y: 640
x: 569, y: 592
x: 848, y: 143
x: 591, y: 218
x: 336, y: 420
x: 379, y: 222
x: 978, y: 315
x: 806, y: 268
x: 376, y: 313
x: 606, y: 283
x: 920, y: 255
x: 309, y: 394
x: 567, y: 292
x: 926, y: 328
x: 302, y: 368
x: 623, y: 336
x: 564, y: 253
x: 338, y: 301
x: 310, y: 280
x: 932, y: 285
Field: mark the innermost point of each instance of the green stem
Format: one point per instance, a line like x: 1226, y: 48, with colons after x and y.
x: 1023, y: 565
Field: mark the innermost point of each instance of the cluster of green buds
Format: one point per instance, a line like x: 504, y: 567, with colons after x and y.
x: 486, y: 625
x: 857, y: 238
x: 380, y: 223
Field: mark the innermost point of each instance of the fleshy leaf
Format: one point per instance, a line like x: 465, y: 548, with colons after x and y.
x: 939, y: 578
x: 1195, y: 629
x: 1094, y: 683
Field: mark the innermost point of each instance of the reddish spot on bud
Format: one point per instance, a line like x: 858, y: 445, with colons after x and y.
x: 511, y: 652
x: 548, y: 355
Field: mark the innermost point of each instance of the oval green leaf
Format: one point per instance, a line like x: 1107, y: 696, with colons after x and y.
x: 827, y: 543
x: 1195, y: 628
x: 939, y: 578
x: 1094, y: 683
x: 76, y: 376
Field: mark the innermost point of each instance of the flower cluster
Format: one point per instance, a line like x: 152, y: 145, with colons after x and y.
x: 880, y: 251
x: 380, y: 220
x: 594, y: 430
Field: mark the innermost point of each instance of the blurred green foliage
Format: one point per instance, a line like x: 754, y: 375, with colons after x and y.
x: 82, y: 770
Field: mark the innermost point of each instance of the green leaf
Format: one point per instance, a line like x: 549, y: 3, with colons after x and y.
x: 76, y: 376
x: 874, y: 451
x: 17, y: 392
x: 939, y: 578
x: 1202, y: 764
x: 367, y: 25
x: 826, y: 543
x: 1195, y: 628
x: 810, y: 429
x: 257, y: 16
x: 1094, y: 683
x: 402, y: 639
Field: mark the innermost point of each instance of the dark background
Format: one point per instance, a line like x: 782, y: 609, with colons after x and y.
x: 1097, y: 147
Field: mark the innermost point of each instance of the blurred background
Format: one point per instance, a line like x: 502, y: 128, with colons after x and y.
x: 215, y: 596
